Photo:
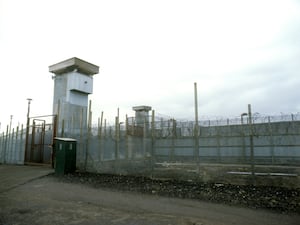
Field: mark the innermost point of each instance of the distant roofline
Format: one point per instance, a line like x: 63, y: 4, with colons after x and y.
x: 74, y: 64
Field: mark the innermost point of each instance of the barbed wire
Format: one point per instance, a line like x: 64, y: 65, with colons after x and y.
x: 221, y: 121
x: 167, y: 126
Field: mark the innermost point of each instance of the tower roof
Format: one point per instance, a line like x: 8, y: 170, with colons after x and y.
x: 74, y: 64
x: 141, y: 108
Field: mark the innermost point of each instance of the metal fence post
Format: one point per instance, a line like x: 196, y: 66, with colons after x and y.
x: 17, y: 149
x: 126, y: 139
x: 21, y: 145
x: 145, y: 131
x: 11, y: 146
x: 172, y: 155
x: 116, y: 138
x: 271, y: 140
x: 2, y: 148
x: 196, y: 150
x: 218, y: 136
x: 89, y: 134
x: 152, y: 142
x: 251, y: 142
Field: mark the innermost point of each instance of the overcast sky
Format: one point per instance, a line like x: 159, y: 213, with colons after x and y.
x: 152, y: 52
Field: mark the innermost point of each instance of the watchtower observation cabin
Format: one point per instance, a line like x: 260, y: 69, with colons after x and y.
x: 73, y: 82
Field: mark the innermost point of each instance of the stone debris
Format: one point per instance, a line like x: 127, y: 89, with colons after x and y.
x: 260, y: 197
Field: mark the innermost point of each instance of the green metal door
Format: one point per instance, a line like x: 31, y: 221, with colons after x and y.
x: 65, y: 155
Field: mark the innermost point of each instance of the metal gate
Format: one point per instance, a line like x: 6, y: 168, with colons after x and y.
x: 39, y: 139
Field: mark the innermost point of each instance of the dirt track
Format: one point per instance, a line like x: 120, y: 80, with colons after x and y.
x: 78, y: 200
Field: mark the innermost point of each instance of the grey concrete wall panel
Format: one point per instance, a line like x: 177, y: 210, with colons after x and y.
x: 184, y: 151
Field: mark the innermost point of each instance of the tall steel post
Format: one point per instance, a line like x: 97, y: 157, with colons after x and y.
x: 196, y: 151
x: 27, y: 127
x: 251, y: 141
x: 11, y: 116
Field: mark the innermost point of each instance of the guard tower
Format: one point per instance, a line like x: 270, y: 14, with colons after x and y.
x: 142, y: 117
x: 73, y: 82
x: 141, y: 114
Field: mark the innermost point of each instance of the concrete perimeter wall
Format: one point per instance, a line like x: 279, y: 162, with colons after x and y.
x: 164, y: 152
x: 274, y: 143
x: 224, y: 154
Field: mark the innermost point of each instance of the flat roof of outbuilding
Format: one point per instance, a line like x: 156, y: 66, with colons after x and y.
x: 64, y: 139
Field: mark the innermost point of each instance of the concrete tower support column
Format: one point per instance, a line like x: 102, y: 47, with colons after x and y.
x: 73, y: 82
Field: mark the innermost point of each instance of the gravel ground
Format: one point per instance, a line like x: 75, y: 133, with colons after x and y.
x: 278, y: 199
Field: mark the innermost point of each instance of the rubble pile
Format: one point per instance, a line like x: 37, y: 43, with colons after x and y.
x: 261, y: 197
